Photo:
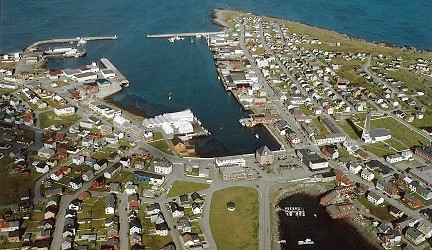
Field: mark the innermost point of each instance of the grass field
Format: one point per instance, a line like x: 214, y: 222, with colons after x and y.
x: 380, y: 211
x: 237, y: 229
x: 12, y: 183
x: 48, y: 118
x: 162, y: 145
x: 402, y: 136
x: 185, y: 187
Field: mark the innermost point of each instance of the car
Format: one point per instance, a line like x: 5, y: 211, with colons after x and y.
x: 1, y: 155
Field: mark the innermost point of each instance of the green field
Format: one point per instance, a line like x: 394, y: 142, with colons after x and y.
x: 380, y: 211
x: 402, y: 136
x: 162, y: 145
x: 185, y: 187
x: 48, y: 118
x: 237, y: 229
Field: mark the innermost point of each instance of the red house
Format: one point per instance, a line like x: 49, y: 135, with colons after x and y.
x: 412, y: 201
x: 99, y: 182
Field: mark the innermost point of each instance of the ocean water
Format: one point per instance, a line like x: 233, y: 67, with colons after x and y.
x: 156, y: 67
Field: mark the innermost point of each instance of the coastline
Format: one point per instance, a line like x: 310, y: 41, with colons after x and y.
x: 219, y: 18
x: 314, y: 190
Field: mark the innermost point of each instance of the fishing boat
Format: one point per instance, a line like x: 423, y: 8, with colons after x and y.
x: 257, y: 136
x: 171, y: 39
x: 170, y: 96
x: 305, y: 242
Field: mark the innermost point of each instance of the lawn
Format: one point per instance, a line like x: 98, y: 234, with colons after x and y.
x: 48, y: 118
x: 237, y: 229
x: 380, y: 211
x: 162, y: 145
x: 185, y: 187
x: 12, y: 183
x: 403, y: 135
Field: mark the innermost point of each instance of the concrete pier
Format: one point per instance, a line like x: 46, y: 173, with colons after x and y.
x: 117, y: 82
x: 192, y: 34
x: 68, y: 40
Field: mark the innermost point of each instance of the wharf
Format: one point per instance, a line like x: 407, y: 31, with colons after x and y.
x: 69, y: 40
x: 191, y: 34
x: 117, y: 82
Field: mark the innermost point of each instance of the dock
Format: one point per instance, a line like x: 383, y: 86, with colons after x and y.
x: 192, y: 34
x: 69, y: 40
x: 117, y: 83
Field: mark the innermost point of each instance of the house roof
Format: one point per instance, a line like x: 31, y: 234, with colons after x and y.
x: 264, y: 151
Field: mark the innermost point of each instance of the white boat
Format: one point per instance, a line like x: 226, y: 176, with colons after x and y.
x: 305, y: 242
x: 257, y: 136
x: 315, y: 215
x: 171, y: 39
x: 82, y: 41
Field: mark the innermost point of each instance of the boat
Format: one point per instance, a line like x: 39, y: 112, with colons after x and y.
x: 171, y: 39
x: 257, y: 136
x: 169, y: 96
x: 315, y: 215
x: 81, y: 41
x: 191, y: 40
x: 305, y: 242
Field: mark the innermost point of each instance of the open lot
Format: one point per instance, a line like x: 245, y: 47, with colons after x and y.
x: 185, y: 187
x: 237, y: 229
x: 48, y: 118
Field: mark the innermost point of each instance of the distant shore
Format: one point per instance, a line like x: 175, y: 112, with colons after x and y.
x: 219, y: 18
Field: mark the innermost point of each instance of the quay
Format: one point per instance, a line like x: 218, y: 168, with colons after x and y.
x: 117, y: 79
x: 69, y: 40
x: 192, y: 34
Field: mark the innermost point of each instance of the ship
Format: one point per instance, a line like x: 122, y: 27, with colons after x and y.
x: 305, y: 242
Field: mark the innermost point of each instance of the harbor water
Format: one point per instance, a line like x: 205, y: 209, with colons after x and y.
x: 316, y: 225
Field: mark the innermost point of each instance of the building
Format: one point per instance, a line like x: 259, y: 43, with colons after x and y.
x: 339, y: 211
x: 113, y: 170
x: 84, y: 77
x: 110, y: 204
x: 374, y: 135
x: 414, y: 236
x: 375, y: 198
x: 232, y: 172
x: 312, y: 159
x: 162, y: 166
x: 411, y: 200
x: 355, y: 169
x: 367, y: 175
x: 425, y: 153
x: 230, y: 161
x: 64, y: 110
x: 150, y: 178
x: 422, y: 174
x: 264, y: 156
x: 386, y: 187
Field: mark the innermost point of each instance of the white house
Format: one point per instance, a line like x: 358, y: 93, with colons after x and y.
x: 87, y: 176
x: 135, y: 226
x: 196, y: 208
x: 112, y: 171
x: 76, y: 183
x: 131, y: 188
x: 162, y: 166
x: 64, y: 110
x: 107, y: 73
x: 153, y: 208
x: 42, y: 168
x: 78, y: 159
x: 375, y: 198
x: 367, y: 175
x: 57, y: 175
x: 355, y: 169
x: 110, y: 204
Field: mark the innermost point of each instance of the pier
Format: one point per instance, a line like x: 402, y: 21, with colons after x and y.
x: 117, y: 82
x: 69, y: 40
x: 294, y: 211
x: 192, y: 34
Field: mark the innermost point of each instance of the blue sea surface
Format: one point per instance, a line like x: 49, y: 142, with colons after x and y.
x: 186, y: 69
